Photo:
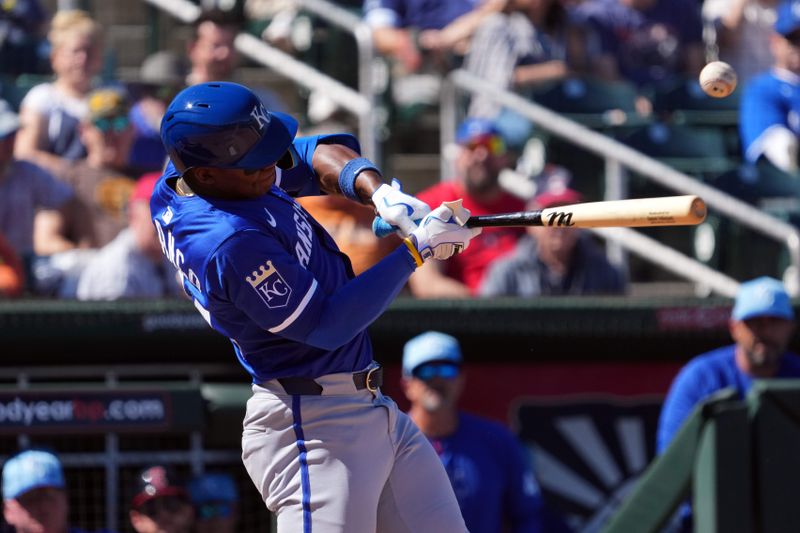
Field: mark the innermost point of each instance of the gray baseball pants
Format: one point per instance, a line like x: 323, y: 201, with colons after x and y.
x: 346, y: 461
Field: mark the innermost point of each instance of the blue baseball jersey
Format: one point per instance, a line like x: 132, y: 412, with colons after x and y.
x: 259, y: 270
x: 491, y: 476
x: 770, y: 100
x: 703, y: 376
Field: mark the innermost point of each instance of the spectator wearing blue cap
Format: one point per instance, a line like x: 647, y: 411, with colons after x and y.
x: 34, y: 493
x: 216, y: 503
x: 761, y: 325
x: 769, y: 123
x: 482, y: 155
x: 490, y: 472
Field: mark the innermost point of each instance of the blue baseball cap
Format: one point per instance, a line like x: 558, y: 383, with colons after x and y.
x: 475, y: 128
x: 430, y: 347
x: 32, y: 469
x: 788, y: 20
x: 213, y: 488
x: 762, y: 296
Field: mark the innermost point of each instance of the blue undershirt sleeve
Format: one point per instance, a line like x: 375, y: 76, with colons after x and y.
x: 356, y: 304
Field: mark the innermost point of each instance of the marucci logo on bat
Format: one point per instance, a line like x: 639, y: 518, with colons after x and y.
x: 558, y: 218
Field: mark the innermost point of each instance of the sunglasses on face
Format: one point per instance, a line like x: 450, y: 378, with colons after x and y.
x: 207, y: 511
x: 493, y: 143
x: 169, y: 504
x: 116, y: 124
x: 429, y: 372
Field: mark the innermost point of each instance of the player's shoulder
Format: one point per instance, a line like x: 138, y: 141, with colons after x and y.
x: 717, y: 358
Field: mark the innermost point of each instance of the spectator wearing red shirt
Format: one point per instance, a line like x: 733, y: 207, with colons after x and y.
x: 481, y: 157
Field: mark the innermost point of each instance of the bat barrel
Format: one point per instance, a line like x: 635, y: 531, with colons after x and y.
x: 643, y: 212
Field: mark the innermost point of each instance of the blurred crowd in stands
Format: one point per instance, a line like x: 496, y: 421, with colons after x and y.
x: 36, y: 498
x: 80, y: 149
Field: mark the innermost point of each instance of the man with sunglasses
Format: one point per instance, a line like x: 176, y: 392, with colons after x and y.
x: 102, y: 181
x: 325, y: 448
x: 488, y: 468
x: 482, y: 155
x: 160, y: 503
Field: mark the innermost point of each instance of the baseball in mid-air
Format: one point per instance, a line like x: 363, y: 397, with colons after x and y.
x: 718, y: 79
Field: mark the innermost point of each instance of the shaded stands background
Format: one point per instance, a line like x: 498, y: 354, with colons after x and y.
x: 579, y: 379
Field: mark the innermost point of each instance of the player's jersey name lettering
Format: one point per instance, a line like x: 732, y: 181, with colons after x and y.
x: 174, y: 254
x: 305, y: 236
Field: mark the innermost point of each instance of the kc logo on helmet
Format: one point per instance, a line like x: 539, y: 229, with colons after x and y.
x: 260, y: 115
x: 270, y: 286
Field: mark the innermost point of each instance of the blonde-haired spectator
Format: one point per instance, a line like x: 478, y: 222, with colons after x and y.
x: 51, y: 112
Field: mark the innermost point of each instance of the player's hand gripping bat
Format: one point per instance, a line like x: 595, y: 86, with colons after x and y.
x: 642, y: 212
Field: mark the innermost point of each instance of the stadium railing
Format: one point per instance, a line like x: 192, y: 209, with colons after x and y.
x: 107, y: 422
x: 619, y: 159
x: 363, y: 103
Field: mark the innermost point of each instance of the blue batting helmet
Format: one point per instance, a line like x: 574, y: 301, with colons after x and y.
x: 224, y: 125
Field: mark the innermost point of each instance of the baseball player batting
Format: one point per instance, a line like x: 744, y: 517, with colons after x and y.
x: 325, y: 448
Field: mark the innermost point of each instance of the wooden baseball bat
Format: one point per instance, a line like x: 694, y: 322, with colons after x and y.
x: 641, y: 212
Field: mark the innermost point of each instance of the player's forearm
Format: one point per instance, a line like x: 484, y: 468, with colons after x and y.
x: 331, y: 159
x: 359, y: 302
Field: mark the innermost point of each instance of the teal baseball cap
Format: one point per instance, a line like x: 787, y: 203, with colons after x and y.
x: 430, y: 347
x: 32, y: 469
x: 762, y: 296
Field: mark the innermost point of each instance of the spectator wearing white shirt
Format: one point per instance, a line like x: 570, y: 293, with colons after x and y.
x: 132, y: 265
x: 743, y: 29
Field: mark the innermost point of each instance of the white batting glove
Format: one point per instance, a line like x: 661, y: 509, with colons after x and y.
x: 398, y: 208
x: 441, y: 234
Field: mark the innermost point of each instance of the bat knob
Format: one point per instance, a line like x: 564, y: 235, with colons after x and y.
x: 460, y: 214
x: 698, y: 209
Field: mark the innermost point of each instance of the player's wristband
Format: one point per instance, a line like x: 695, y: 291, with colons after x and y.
x: 349, y: 173
x: 413, y: 250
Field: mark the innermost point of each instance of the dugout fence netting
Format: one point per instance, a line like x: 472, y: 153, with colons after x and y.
x: 101, y: 461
